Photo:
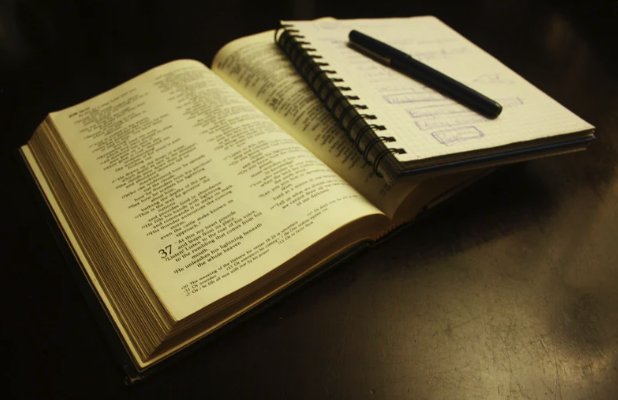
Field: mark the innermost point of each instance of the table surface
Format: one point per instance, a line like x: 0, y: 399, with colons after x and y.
x: 510, y: 291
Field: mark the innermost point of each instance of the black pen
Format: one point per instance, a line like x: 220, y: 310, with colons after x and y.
x: 415, y: 69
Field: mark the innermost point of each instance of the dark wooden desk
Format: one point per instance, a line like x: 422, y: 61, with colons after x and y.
x: 511, y: 291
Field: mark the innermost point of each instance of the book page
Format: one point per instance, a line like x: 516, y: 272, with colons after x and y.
x: 206, y: 191
x: 425, y: 123
x: 261, y: 72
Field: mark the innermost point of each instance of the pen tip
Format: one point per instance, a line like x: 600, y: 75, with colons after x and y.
x: 498, y: 110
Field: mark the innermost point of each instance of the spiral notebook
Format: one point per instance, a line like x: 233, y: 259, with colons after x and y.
x: 403, y: 127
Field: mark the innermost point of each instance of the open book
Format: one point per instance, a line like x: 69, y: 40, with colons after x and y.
x: 189, y: 195
x: 404, y: 127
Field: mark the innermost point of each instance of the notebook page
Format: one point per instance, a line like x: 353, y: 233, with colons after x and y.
x: 425, y: 123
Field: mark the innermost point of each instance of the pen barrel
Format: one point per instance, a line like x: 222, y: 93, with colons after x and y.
x: 447, y: 86
x: 404, y: 63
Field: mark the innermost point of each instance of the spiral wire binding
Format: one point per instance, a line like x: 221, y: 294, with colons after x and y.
x: 315, y: 73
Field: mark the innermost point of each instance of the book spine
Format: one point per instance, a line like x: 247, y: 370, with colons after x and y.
x: 355, y: 119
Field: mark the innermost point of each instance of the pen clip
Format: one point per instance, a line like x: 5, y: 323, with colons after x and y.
x: 369, y: 53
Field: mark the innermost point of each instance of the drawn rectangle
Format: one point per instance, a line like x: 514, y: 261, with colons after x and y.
x: 446, y: 107
x: 456, y: 135
x: 411, y: 97
x: 449, y: 121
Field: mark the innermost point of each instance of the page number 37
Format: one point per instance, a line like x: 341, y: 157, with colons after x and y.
x: 166, y: 251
